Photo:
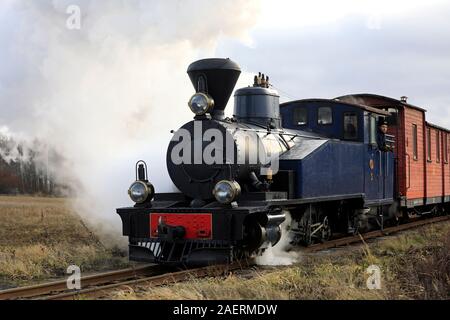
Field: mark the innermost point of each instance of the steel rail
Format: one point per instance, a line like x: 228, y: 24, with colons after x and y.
x: 164, y: 279
x: 91, y: 280
x: 97, y: 285
x: 372, y: 234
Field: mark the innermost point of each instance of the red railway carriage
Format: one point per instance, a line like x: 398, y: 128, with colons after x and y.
x: 421, y: 150
x: 437, y: 167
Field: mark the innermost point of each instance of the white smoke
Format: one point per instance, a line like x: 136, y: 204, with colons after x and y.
x: 8, y: 147
x: 282, y: 254
x: 108, y: 94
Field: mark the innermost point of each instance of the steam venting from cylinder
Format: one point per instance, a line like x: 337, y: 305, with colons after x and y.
x: 216, y: 77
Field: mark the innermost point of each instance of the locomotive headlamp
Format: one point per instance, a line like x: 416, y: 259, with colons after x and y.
x: 227, y: 191
x: 141, y: 191
x: 201, y: 104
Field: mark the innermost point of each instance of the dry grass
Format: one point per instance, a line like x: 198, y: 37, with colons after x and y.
x: 41, y: 237
x: 414, y: 265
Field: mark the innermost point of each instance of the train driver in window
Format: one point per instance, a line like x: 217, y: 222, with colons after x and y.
x: 381, y: 135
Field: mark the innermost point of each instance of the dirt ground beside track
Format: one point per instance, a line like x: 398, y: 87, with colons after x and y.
x: 413, y: 265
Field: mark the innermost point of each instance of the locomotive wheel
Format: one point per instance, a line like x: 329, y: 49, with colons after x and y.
x: 315, y: 227
x: 326, y: 230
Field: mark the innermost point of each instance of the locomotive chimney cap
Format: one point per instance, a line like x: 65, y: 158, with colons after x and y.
x: 214, y: 64
x: 217, y: 78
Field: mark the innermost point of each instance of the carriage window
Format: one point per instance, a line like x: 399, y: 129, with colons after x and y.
x: 438, y: 146
x: 415, y: 150
x: 429, y: 144
x: 350, y: 126
x: 325, y: 115
x: 300, y: 116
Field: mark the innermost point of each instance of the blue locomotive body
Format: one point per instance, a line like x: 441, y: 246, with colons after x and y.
x: 348, y: 163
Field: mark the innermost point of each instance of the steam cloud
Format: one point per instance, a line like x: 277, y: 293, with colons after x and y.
x: 281, y: 254
x: 109, y: 93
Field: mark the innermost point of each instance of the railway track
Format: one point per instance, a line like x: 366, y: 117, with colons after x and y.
x: 373, y: 234
x: 96, y: 286
x: 91, y: 280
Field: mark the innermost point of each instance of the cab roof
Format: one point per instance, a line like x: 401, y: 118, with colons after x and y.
x: 356, y: 105
x: 383, y: 100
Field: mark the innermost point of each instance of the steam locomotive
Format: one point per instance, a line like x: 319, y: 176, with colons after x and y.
x: 315, y: 161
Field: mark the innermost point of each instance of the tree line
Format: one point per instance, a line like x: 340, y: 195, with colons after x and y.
x: 26, y: 169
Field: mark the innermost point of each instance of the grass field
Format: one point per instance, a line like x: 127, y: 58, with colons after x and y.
x: 414, y: 265
x: 41, y: 237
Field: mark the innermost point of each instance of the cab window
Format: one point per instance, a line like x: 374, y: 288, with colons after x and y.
x: 325, y: 115
x: 350, y: 126
x: 392, y: 120
x: 300, y: 116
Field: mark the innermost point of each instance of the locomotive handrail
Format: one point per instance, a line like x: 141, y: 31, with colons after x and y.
x: 145, y: 169
x: 379, y: 164
x: 282, y: 132
x: 390, y: 140
x: 386, y: 171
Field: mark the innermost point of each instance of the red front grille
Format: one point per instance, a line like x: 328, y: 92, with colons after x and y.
x: 197, y: 225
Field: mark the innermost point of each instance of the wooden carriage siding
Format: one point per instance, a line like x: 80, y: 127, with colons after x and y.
x: 438, y: 175
x: 414, y: 157
x: 446, y: 165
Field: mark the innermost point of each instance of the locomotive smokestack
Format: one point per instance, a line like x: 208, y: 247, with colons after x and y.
x: 216, y: 77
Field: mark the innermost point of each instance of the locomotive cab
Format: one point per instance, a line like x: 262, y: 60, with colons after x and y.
x: 350, y: 163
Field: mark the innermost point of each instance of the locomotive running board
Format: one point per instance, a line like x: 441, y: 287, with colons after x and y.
x: 356, y: 196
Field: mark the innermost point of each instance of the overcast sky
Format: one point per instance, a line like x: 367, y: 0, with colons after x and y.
x: 109, y: 93
x: 321, y: 48
x: 331, y: 48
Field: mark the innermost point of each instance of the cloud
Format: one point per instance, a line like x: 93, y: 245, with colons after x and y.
x: 108, y: 94
x: 404, y: 52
